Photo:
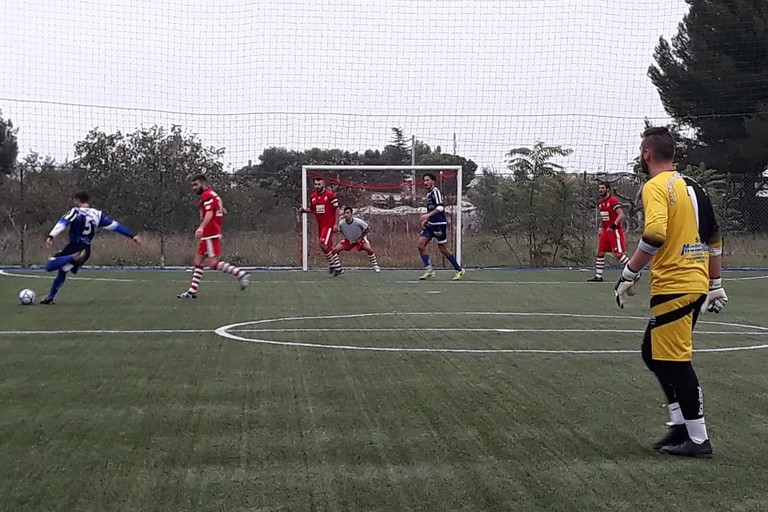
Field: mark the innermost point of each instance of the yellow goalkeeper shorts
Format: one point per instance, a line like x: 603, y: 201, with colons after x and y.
x: 671, y: 326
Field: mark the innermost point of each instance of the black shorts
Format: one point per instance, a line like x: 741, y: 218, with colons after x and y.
x: 439, y: 233
x: 74, y: 249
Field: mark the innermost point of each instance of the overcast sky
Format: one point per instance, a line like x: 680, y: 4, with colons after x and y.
x: 247, y: 74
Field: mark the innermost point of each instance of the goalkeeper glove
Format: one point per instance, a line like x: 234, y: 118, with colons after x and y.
x: 716, y: 298
x: 624, y: 286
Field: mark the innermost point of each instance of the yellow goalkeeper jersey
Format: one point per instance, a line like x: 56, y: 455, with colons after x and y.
x: 681, y: 231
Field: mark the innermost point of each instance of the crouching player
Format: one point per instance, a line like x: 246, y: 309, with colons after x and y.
x: 355, y: 231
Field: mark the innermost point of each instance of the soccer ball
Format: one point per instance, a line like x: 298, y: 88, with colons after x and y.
x: 27, y: 297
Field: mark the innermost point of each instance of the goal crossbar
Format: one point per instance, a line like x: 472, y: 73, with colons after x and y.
x: 415, y: 168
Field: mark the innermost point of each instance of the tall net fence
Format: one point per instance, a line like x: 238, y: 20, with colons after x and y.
x: 535, y: 99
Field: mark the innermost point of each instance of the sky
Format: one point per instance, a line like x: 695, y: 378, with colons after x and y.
x: 247, y: 74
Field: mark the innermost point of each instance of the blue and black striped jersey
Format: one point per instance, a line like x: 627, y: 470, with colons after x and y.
x: 436, y: 201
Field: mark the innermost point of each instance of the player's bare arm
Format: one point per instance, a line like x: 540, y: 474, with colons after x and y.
x: 206, y: 219
x: 619, y: 218
x: 425, y: 217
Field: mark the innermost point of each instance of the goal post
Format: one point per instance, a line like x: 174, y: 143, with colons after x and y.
x: 416, y: 171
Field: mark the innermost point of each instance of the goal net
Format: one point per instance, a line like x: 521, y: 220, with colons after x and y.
x: 390, y: 199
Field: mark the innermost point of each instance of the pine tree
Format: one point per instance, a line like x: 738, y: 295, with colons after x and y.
x: 713, y: 77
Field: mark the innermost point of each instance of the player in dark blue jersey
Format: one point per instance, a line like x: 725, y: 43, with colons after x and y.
x: 435, y: 225
x: 83, y: 223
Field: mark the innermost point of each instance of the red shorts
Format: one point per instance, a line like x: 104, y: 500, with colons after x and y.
x: 325, y: 236
x: 612, y: 240
x: 210, y: 248
x: 349, y: 246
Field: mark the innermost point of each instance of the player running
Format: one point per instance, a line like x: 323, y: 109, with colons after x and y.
x: 325, y: 205
x: 435, y: 225
x: 83, y: 222
x: 355, y: 231
x: 209, y: 232
x: 611, y: 231
x: 681, y: 240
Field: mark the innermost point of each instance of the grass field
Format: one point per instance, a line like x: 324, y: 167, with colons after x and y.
x: 525, y: 391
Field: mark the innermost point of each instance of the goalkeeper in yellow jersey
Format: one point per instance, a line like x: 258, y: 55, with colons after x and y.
x: 681, y: 241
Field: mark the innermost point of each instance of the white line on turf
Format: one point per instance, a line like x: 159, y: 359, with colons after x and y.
x: 228, y: 331
x: 319, y: 280
x: 110, y: 331
x: 43, y: 276
x: 489, y: 329
x: 751, y: 278
x: 467, y: 281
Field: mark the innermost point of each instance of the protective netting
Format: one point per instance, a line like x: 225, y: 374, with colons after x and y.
x: 128, y: 97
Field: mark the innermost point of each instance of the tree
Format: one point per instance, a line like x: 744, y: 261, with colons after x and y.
x: 397, y: 152
x: 713, y: 77
x: 548, y: 217
x: 144, y: 176
x: 716, y: 184
x: 35, y: 196
x: 531, y: 163
x: 468, y: 167
x: 9, y: 145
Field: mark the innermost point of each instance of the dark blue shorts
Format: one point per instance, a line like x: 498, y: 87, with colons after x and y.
x: 439, y: 233
x: 74, y: 249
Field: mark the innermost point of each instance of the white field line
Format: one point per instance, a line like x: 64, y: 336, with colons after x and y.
x: 50, y: 276
x: 228, y: 331
x: 320, y: 280
x: 488, y: 329
x: 110, y: 331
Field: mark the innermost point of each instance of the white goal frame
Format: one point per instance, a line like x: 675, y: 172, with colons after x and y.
x: 415, y: 169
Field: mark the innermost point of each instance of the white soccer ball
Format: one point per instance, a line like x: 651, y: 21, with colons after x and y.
x: 27, y: 297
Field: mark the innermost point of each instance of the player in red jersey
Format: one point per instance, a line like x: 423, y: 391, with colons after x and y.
x: 325, y: 205
x: 611, y: 231
x: 212, y: 213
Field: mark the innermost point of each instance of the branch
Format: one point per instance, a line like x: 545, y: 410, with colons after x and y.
x: 510, y: 248
x: 9, y: 213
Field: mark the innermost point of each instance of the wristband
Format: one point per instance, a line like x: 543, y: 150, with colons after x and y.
x: 628, y: 274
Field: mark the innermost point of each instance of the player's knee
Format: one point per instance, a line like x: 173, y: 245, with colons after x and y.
x: 684, y: 376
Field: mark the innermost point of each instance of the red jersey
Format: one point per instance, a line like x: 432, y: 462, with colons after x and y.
x: 608, y: 213
x: 325, y: 206
x: 211, y: 202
